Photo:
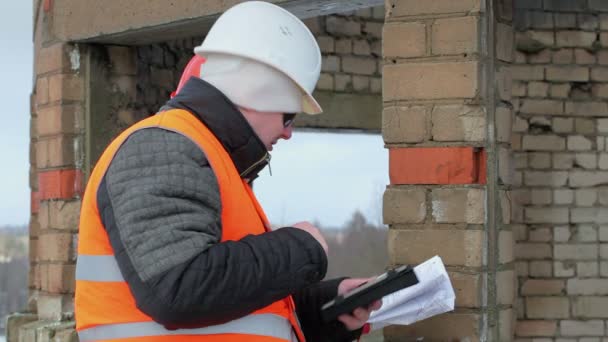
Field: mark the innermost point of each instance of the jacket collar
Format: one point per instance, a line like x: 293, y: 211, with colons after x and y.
x: 226, y: 122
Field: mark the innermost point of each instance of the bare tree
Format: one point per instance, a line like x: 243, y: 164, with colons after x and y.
x: 361, y: 250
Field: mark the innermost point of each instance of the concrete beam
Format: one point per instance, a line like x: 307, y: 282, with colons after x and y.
x: 345, y: 111
x: 138, y: 22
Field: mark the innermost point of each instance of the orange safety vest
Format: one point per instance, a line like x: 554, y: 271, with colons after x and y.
x: 104, y: 306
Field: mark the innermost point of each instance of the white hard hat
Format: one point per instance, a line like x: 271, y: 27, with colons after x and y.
x: 251, y: 84
x: 266, y: 33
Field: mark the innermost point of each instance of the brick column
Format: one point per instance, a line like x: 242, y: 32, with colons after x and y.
x: 447, y: 124
x: 84, y: 96
x: 59, y: 116
x: 560, y: 91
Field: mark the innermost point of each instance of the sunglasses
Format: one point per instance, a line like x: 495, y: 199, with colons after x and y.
x: 288, y: 119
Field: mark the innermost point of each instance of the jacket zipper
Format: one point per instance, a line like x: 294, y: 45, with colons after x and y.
x: 266, y: 159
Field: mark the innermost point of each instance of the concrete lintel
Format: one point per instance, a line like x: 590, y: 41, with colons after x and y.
x: 345, y: 111
x: 139, y: 22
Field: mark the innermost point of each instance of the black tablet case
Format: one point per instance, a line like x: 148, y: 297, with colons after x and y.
x: 364, y: 295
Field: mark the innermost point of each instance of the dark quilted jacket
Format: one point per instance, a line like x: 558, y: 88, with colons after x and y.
x: 160, y: 204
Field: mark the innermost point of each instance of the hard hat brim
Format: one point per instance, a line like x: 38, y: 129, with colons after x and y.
x: 310, y: 106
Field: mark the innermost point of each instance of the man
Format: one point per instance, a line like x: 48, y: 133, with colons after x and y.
x: 173, y: 244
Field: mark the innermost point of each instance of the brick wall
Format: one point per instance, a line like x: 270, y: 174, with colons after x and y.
x: 560, y: 89
x: 56, y: 182
x: 59, y: 164
x: 351, y: 44
x: 444, y: 84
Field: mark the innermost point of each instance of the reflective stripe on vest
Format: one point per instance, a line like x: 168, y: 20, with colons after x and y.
x: 263, y: 324
x: 97, y: 268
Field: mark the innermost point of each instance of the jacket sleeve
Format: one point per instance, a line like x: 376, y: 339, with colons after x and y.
x: 159, y: 202
x: 309, y: 301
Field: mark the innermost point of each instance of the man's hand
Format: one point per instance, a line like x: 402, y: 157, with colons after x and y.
x: 314, y: 231
x: 359, y: 316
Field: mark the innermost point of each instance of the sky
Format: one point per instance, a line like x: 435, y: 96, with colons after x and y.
x: 320, y: 177
x: 324, y: 177
x: 16, y: 58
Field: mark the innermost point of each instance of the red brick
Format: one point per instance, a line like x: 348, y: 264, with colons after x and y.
x: 483, y: 164
x: 60, y: 184
x: 436, y: 165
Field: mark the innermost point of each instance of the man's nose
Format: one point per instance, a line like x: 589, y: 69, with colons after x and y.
x: 287, y: 132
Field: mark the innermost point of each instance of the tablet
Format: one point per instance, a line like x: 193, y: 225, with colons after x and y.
x: 364, y: 295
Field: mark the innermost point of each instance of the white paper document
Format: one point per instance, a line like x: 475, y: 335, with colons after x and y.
x: 433, y: 295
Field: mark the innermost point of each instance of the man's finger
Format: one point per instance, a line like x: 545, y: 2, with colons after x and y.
x: 361, y: 314
x: 351, y: 322
x: 375, y: 305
